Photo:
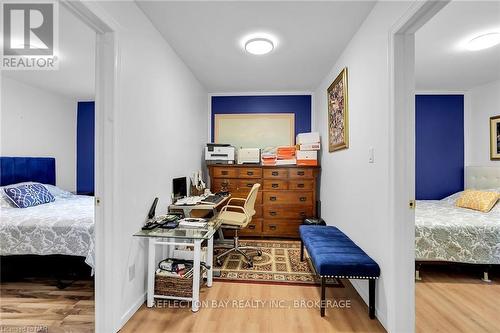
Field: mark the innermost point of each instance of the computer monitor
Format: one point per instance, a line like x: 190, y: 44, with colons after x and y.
x: 179, y: 187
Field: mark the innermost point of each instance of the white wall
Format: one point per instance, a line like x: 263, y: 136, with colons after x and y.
x: 39, y: 123
x: 354, y: 193
x: 481, y: 103
x: 160, y: 129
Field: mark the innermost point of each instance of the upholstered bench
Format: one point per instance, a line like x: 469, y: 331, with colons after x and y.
x: 334, y: 255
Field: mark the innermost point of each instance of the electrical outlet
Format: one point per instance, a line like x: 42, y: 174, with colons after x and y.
x: 131, y: 272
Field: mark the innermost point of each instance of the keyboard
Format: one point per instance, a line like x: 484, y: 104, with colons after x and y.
x: 213, y: 199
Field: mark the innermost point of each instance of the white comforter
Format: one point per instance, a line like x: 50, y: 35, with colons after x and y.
x: 65, y: 226
x: 444, y: 232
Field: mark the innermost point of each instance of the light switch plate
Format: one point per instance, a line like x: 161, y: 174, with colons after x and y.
x: 131, y: 272
x: 371, y: 155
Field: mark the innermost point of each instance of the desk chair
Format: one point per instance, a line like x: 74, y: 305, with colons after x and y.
x: 236, y: 219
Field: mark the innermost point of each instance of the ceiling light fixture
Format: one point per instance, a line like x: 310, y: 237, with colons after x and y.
x: 259, y: 46
x: 484, y: 41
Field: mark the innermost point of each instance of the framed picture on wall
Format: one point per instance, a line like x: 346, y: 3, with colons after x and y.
x: 495, y: 138
x: 338, y: 113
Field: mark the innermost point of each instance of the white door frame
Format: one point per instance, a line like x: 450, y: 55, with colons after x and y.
x: 402, y: 160
x: 106, y: 74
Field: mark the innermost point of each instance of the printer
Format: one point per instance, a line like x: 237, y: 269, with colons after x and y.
x: 248, y: 155
x: 217, y: 153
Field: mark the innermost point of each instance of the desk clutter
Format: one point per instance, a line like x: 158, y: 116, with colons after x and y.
x: 304, y: 153
x: 174, y: 277
x: 209, y: 199
x: 172, y: 221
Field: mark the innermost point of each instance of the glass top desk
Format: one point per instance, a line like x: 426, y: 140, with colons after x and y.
x: 177, y: 237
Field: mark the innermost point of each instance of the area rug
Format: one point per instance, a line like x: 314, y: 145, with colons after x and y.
x: 280, y: 263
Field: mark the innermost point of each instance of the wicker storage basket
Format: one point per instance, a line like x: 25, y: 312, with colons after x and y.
x: 174, y: 286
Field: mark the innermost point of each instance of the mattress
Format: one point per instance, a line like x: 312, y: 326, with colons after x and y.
x: 444, y: 232
x: 65, y: 226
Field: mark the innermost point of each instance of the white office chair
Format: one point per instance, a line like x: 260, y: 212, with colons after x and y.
x: 238, y: 218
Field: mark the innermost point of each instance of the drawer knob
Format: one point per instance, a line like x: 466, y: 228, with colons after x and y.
x: 224, y: 172
x: 251, y: 226
x: 300, y: 185
x: 249, y: 185
x: 303, y: 199
x: 272, y: 213
x: 300, y: 173
x: 250, y: 173
x: 303, y: 214
x: 272, y: 198
x: 272, y: 227
x: 275, y: 185
x: 275, y: 173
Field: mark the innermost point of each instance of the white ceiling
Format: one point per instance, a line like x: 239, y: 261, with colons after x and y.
x: 75, y: 77
x: 207, y: 36
x: 441, y: 61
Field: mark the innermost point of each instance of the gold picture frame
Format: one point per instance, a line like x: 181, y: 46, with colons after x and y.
x: 495, y: 138
x: 338, y: 113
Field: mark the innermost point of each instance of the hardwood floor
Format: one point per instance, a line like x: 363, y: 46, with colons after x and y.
x: 39, y: 306
x: 451, y: 300
x: 232, y: 318
x: 447, y: 301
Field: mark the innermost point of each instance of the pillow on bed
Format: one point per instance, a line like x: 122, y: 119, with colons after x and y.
x: 482, y: 201
x: 28, y: 195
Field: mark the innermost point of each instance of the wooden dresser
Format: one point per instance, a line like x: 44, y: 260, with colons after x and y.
x: 288, y: 194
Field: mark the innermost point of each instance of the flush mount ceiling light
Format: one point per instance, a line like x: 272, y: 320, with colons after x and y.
x: 484, y: 41
x: 259, y: 46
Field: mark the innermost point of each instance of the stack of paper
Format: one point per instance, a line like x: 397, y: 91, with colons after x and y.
x: 308, y: 145
x: 268, y: 156
x: 285, y: 155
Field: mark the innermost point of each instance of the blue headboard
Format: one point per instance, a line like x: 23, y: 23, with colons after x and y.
x: 15, y: 170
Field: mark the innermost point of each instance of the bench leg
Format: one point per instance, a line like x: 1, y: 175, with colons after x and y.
x: 323, y: 296
x: 301, y: 250
x: 371, y: 300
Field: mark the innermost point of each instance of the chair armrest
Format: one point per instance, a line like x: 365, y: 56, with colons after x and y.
x: 235, y: 207
x: 235, y: 199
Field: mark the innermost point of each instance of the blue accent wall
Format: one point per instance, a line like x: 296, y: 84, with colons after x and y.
x: 85, y: 131
x: 439, y: 146
x: 300, y: 105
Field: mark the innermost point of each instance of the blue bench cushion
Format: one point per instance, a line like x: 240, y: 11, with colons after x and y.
x: 335, y: 254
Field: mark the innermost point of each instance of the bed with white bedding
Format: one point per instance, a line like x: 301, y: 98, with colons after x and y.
x: 444, y: 232
x: 62, y: 226
x: 65, y: 226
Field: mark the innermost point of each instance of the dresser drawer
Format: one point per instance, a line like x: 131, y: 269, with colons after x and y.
x: 300, y: 184
x: 254, y: 228
x: 300, y: 173
x: 276, y: 184
x: 225, y: 172
x: 218, y: 184
x: 296, y: 212
x: 288, y: 198
x: 275, y: 173
x: 258, y: 211
x: 249, y: 172
x: 289, y: 228
x: 247, y: 184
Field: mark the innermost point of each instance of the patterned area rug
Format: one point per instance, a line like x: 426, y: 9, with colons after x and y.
x: 279, y: 263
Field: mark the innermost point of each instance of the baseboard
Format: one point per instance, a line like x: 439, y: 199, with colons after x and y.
x: 363, y: 292
x: 131, y: 311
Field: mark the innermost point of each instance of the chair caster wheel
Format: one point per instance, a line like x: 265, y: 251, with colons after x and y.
x: 259, y: 253
x: 218, y: 262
